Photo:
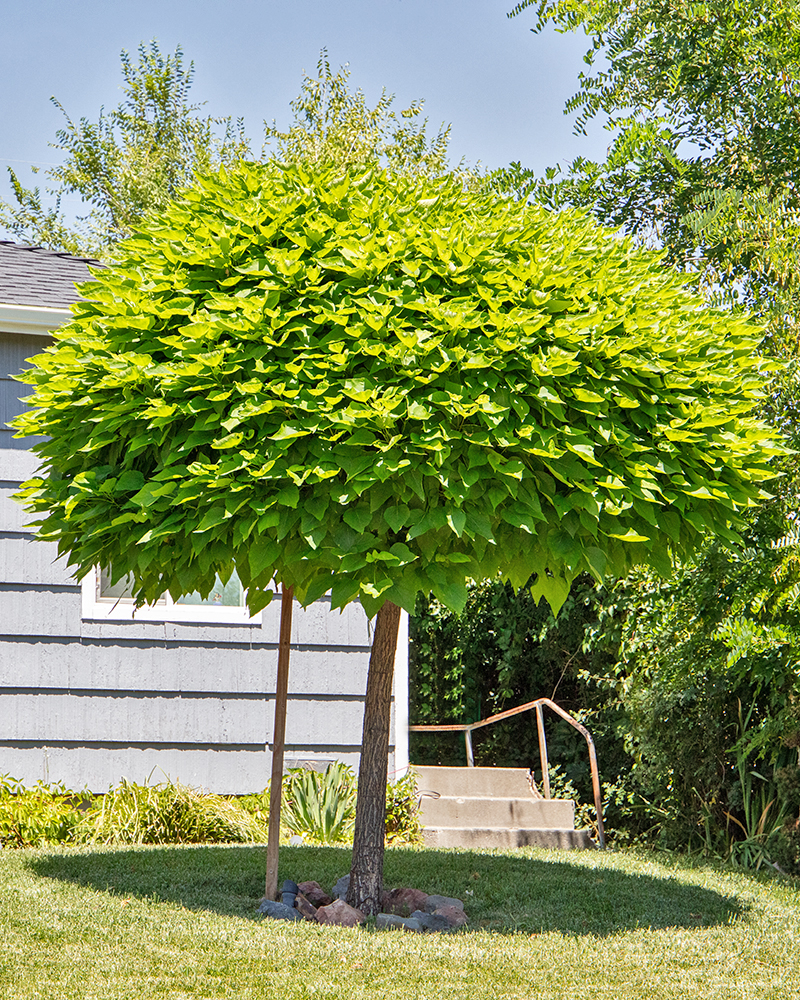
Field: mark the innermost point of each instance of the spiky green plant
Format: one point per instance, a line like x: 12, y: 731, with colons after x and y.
x: 321, y: 806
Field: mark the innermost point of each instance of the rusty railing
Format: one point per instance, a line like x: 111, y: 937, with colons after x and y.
x: 537, y: 705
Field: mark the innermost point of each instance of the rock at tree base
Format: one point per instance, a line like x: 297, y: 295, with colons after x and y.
x: 391, y: 921
x: 434, y: 902
x: 404, y: 909
x: 340, y: 914
x: 315, y: 894
x: 454, y: 915
x: 403, y: 902
x: 339, y: 891
x: 430, y: 922
x: 278, y: 911
x: 307, y: 909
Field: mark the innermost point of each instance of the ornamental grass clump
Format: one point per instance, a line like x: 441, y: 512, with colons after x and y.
x: 320, y: 806
x: 168, y: 813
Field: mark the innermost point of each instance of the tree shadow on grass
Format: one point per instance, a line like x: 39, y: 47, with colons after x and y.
x: 505, y: 893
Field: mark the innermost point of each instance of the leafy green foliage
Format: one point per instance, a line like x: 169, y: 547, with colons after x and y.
x: 762, y: 815
x: 334, y: 125
x: 787, y: 841
x: 130, y: 813
x: 382, y: 385
x: 506, y: 649
x: 318, y: 806
x: 40, y: 814
x: 132, y: 160
x: 437, y: 680
x: 709, y: 711
x: 704, y: 103
x: 403, y: 823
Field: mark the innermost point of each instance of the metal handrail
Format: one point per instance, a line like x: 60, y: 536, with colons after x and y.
x: 467, y: 729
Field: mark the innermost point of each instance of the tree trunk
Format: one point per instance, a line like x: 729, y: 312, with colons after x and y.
x: 366, y: 874
x: 278, y: 743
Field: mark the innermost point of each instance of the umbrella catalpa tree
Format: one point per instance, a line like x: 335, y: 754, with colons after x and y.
x: 374, y: 386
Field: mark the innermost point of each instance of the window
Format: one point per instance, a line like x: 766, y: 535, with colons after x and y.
x: 225, y: 603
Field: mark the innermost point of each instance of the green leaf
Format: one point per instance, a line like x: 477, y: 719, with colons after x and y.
x: 289, y: 496
x: 457, y: 520
x: 596, y: 560
x: 262, y: 554
x: 358, y: 518
x: 258, y: 599
x: 130, y: 481
x: 396, y: 516
x: 214, y: 517
x: 554, y: 589
x: 630, y: 536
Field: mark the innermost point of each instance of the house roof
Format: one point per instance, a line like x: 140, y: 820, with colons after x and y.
x: 33, y: 276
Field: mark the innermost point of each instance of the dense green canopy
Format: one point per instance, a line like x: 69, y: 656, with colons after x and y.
x: 379, y: 385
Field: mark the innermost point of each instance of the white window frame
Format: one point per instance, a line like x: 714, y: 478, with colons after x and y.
x: 95, y: 609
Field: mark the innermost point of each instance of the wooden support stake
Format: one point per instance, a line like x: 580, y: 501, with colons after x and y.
x: 278, y: 743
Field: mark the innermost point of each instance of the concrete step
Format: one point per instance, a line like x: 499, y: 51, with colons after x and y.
x: 480, y: 807
x: 507, y: 838
x: 471, y: 811
x: 475, y: 782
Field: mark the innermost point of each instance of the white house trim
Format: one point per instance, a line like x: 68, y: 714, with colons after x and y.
x: 93, y: 609
x: 401, y: 699
x: 39, y: 321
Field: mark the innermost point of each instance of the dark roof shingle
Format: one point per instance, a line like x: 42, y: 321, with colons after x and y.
x: 33, y: 276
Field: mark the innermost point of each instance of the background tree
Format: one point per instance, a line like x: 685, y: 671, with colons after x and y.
x: 703, y: 105
x: 134, y: 159
x: 381, y: 385
x: 130, y: 161
x: 334, y: 125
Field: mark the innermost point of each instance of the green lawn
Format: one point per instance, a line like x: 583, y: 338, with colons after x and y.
x: 180, y: 922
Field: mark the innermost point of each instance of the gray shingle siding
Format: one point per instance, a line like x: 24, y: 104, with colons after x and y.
x: 15, y: 349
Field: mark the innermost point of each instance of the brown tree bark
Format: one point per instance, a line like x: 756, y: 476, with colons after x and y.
x: 278, y: 742
x: 366, y: 874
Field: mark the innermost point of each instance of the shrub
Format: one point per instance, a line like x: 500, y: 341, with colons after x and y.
x: 168, y: 813
x: 43, y: 814
x: 320, y: 807
x: 403, y: 824
x: 257, y: 805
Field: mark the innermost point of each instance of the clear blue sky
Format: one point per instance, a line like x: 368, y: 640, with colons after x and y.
x: 502, y: 87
